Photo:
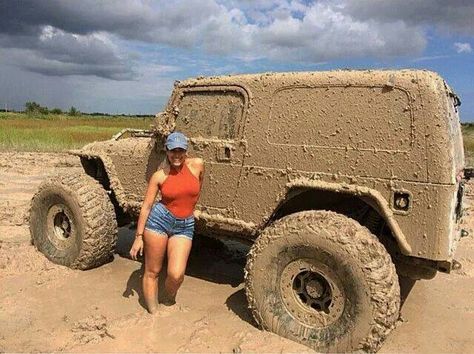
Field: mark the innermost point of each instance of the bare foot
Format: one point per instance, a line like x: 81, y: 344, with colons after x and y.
x: 168, y: 300
x: 152, y: 308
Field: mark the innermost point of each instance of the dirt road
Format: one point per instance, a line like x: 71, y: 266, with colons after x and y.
x: 45, y: 307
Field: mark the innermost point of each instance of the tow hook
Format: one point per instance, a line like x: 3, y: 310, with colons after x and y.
x: 464, y: 233
x: 456, y: 265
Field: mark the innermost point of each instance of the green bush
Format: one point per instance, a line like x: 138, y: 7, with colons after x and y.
x: 56, y: 111
x: 33, y: 108
x: 73, y: 112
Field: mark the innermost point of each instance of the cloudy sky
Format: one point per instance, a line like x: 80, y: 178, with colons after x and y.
x: 123, y: 56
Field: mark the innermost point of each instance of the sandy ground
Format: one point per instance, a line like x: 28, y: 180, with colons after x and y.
x: 45, y: 307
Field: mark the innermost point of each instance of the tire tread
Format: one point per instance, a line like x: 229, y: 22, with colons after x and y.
x: 100, y: 227
x: 356, y: 240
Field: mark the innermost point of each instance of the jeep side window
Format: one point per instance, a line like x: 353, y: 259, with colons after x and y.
x: 210, y: 114
x: 342, y: 118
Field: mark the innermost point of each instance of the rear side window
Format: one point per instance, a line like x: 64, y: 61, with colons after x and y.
x: 210, y: 114
x: 364, y: 118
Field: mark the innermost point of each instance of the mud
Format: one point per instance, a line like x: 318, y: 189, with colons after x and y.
x: 394, y: 134
x: 46, y: 308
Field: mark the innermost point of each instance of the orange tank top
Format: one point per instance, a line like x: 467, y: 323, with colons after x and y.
x: 180, y: 192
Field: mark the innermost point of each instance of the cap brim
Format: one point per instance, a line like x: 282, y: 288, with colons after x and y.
x: 176, y: 145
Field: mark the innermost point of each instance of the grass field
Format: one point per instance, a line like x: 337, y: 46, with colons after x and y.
x: 468, y: 137
x: 21, y: 132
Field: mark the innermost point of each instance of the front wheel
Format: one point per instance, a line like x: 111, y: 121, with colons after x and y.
x: 322, y: 279
x: 72, y: 221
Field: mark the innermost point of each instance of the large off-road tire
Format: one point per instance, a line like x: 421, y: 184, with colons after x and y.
x: 72, y: 221
x: 322, y: 279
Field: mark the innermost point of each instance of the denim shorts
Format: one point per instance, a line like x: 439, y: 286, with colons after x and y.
x: 162, y: 221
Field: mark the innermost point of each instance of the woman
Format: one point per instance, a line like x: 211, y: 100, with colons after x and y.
x: 166, y: 227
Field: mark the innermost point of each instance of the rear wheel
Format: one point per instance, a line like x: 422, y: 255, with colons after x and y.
x: 72, y: 221
x: 323, y: 280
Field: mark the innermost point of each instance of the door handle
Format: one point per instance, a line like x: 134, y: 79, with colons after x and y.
x: 224, y: 153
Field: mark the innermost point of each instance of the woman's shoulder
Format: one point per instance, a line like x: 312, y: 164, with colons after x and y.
x: 160, y: 175
x: 195, y: 165
x: 196, y: 162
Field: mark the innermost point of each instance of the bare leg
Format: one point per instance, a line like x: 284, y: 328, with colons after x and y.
x: 178, y: 253
x: 155, y: 249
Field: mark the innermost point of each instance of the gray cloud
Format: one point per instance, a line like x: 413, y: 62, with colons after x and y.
x: 157, y: 22
x: 452, y: 15
x: 50, y: 50
x: 54, y: 52
x: 325, y: 33
x: 278, y: 29
x: 82, y: 17
x: 80, y: 37
x: 282, y: 31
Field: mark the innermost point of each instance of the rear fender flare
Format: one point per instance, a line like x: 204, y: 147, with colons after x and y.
x: 371, y: 196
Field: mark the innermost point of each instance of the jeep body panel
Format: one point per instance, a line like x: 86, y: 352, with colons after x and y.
x: 393, y: 133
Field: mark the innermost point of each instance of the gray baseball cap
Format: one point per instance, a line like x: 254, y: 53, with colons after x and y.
x: 176, y: 140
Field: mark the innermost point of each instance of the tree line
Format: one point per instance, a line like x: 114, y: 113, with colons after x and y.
x: 34, y: 108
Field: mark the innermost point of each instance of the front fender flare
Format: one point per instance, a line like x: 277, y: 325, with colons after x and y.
x: 115, y: 184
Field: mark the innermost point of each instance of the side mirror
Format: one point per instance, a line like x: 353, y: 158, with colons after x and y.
x: 160, y: 118
x: 163, y: 125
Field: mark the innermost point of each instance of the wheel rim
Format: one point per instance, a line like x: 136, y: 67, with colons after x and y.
x: 312, y: 293
x: 61, y: 229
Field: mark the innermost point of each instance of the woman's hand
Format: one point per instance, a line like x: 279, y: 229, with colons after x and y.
x: 137, y: 248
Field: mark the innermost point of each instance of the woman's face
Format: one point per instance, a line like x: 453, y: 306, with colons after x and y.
x: 176, y: 156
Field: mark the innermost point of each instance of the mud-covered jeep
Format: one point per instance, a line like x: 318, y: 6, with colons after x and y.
x: 340, y: 180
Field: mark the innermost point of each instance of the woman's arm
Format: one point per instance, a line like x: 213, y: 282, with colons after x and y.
x: 151, y: 192
x: 150, y: 196
x: 196, y: 166
x: 200, y: 163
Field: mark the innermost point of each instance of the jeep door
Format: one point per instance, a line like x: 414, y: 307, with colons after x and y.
x: 212, y: 117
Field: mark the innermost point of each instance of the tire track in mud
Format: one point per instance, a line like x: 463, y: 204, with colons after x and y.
x: 20, y: 175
